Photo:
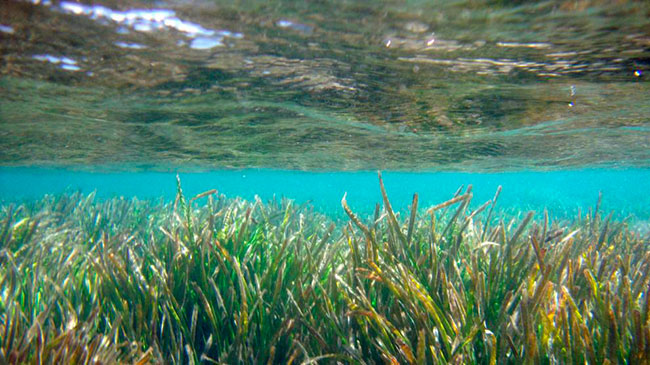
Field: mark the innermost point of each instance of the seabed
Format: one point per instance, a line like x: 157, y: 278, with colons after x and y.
x: 215, y: 280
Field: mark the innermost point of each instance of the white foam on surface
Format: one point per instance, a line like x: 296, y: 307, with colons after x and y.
x: 150, y: 20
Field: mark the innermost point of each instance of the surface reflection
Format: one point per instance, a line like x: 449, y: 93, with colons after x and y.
x: 326, y: 85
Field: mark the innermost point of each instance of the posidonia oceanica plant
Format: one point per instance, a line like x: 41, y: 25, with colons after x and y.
x: 209, y: 279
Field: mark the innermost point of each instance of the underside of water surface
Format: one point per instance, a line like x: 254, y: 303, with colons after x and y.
x: 335, y: 85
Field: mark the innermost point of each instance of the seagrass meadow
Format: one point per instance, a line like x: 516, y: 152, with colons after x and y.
x: 209, y: 279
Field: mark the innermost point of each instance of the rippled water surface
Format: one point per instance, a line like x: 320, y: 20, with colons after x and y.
x: 326, y: 85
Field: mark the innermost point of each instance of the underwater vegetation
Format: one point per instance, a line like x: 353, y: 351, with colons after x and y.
x: 215, y: 280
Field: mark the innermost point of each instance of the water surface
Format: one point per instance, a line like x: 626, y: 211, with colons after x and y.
x: 327, y: 85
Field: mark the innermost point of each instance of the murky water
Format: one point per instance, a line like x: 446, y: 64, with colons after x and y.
x: 325, y: 85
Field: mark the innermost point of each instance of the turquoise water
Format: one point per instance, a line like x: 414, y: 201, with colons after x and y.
x: 562, y: 193
x: 308, y: 99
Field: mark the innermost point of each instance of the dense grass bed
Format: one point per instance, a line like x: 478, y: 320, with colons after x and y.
x: 216, y: 280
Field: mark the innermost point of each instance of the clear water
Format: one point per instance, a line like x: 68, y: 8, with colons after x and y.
x: 564, y: 194
x: 549, y: 99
